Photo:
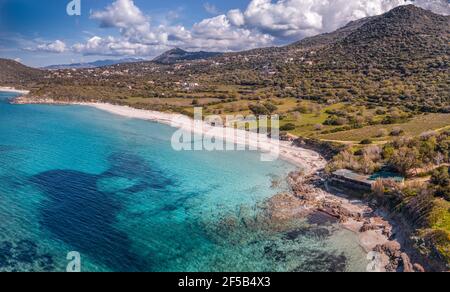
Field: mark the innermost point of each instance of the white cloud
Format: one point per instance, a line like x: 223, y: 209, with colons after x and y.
x: 131, y: 22
x: 53, y: 47
x: 267, y: 21
x: 294, y: 19
x: 139, y: 38
x: 437, y: 6
x: 236, y: 17
x: 219, y: 33
x: 262, y: 23
x: 110, y: 46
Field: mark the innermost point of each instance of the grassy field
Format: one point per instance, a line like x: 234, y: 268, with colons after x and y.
x: 305, y: 122
x: 414, y: 127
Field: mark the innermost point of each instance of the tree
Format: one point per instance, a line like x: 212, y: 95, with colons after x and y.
x: 388, y: 151
x: 270, y: 107
x: 288, y: 127
x: 441, y: 183
x: 366, y: 141
x: 405, y: 159
x: 441, y: 177
x: 258, y: 109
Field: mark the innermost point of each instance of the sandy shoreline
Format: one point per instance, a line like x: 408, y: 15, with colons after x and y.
x: 309, y: 161
x: 14, y: 90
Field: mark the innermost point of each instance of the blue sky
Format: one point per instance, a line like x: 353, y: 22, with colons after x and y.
x: 39, y: 32
x: 47, y: 20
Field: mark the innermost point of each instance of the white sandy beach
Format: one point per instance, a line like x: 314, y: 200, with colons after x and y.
x: 12, y: 89
x: 309, y: 160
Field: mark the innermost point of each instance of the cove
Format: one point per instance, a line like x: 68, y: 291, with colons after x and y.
x: 74, y: 178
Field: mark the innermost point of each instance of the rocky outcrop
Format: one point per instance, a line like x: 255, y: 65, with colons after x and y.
x: 374, y: 231
x: 326, y: 149
x: 398, y: 261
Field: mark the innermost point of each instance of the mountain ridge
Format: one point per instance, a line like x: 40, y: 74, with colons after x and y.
x: 381, y: 59
x: 178, y: 55
x: 94, y: 64
x: 14, y: 73
x: 403, y: 35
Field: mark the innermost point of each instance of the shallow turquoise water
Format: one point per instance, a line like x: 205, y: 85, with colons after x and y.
x: 73, y: 178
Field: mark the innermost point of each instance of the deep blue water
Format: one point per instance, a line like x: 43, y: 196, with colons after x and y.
x: 74, y: 178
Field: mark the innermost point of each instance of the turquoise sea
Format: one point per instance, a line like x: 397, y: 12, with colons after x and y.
x: 74, y: 178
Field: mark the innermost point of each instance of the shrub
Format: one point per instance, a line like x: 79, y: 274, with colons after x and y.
x: 378, y: 188
x: 441, y: 182
x: 335, y: 121
x: 271, y: 108
x: 397, y: 131
x: 382, y: 133
x: 318, y: 127
x: 427, y: 135
x: 366, y: 142
x: 359, y: 152
x: 287, y: 127
x: 258, y: 109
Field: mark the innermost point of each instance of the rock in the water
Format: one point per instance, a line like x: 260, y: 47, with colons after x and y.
x: 407, y: 266
x: 418, y: 268
x: 392, y: 250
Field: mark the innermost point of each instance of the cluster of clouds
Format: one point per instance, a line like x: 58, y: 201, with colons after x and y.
x: 53, y: 47
x: 262, y: 23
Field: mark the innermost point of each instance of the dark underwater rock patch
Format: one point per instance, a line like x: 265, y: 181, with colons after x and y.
x: 319, y: 261
x: 132, y: 166
x: 83, y: 217
x: 318, y: 233
x: 24, y: 255
x: 321, y: 218
x: 306, y: 259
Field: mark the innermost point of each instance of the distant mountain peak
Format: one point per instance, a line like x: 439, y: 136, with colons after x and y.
x: 402, y: 35
x: 177, y: 51
x: 409, y: 8
x: 409, y: 12
x: 176, y: 55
